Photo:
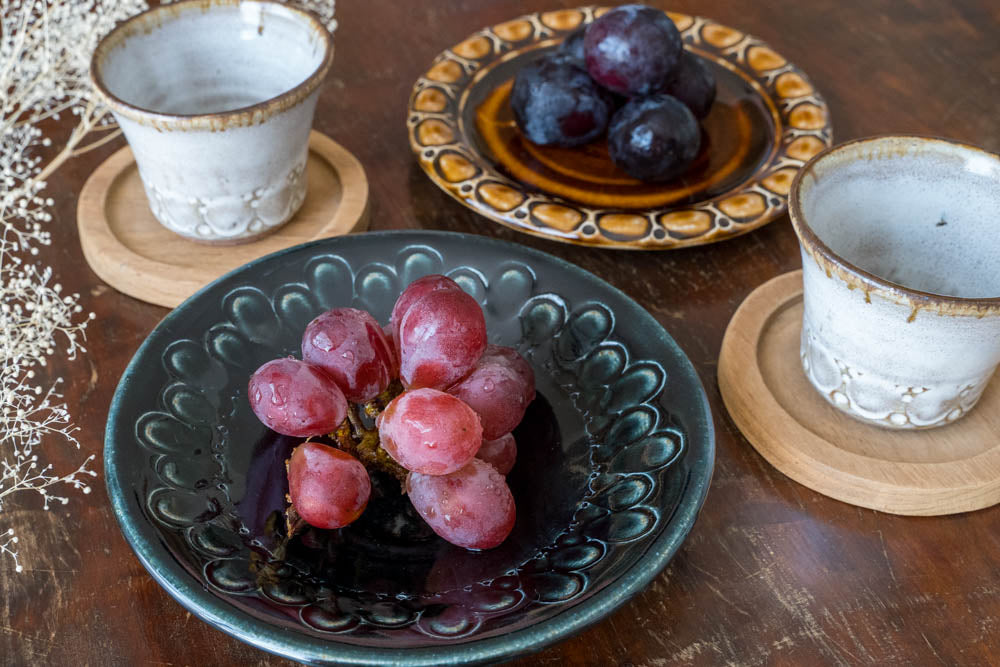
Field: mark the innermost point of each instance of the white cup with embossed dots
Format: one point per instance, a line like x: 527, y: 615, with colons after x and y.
x: 901, y: 277
x: 216, y: 99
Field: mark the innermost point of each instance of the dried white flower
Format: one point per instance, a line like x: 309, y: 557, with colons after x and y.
x: 323, y: 9
x: 45, y: 51
x: 45, y: 48
x: 6, y: 540
x: 34, y: 322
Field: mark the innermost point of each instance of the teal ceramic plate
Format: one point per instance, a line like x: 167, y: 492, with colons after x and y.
x: 615, y: 458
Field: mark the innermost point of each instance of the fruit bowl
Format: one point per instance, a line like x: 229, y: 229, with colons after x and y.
x: 767, y: 121
x: 614, y: 461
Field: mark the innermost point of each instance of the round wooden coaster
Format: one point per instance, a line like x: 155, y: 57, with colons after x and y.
x: 955, y: 468
x: 126, y: 246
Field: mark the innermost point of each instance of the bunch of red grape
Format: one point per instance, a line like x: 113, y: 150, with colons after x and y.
x: 450, y: 427
x: 626, y: 73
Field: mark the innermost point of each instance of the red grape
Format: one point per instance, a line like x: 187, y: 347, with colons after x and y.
x: 350, y: 345
x: 415, y: 291
x: 390, y: 338
x: 429, y: 431
x: 499, y: 389
x: 500, y: 453
x: 512, y: 359
x: 329, y: 488
x: 295, y: 398
x: 471, y: 508
x: 441, y: 337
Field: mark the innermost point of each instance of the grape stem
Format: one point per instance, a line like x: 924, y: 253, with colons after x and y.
x: 356, y: 438
x: 360, y: 441
x: 293, y: 523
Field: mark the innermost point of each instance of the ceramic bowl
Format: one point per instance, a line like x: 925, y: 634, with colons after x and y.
x: 216, y: 99
x: 615, y: 456
x: 767, y: 120
x: 901, y: 290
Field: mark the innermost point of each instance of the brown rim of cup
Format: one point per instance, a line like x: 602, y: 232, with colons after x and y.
x: 241, y: 117
x: 856, y: 277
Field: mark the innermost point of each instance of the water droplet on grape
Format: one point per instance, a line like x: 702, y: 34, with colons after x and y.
x: 348, y: 355
x: 276, y: 396
x: 322, y: 341
x: 488, y: 385
x: 256, y: 398
x: 431, y: 445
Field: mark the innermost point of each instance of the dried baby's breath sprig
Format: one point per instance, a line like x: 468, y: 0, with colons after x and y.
x: 45, y: 51
x: 6, y: 540
x: 323, y: 9
x: 36, y: 320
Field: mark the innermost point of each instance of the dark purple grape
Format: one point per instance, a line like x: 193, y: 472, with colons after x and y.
x: 556, y: 103
x: 693, y: 84
x: 572, y: 46
x: 632, y: 50
x: 654, y: 138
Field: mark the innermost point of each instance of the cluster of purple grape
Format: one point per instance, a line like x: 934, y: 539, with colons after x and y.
x: 450, y: 428
x: 626, y: 73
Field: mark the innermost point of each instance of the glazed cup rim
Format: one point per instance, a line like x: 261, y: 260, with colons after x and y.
x: 868, y: 282
x: 155, y: 17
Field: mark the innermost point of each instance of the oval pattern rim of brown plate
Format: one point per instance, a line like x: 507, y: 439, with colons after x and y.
x: 438, y: 137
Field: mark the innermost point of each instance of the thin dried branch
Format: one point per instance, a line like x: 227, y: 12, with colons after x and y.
x: 45, y: 51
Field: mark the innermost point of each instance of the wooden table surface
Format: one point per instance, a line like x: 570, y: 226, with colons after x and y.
x: 772, y: 573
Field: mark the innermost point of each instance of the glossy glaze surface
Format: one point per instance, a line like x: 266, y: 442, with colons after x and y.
x: 216, y: 100
x: 901, y: 323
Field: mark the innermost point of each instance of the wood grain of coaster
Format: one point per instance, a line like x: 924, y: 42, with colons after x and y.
x: 131, y: 251
x: 954, y: 468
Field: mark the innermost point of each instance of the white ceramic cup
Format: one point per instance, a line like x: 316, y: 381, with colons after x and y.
x: 901, y: 277
x: 216, y: 99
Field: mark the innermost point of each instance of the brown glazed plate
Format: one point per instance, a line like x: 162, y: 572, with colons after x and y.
x: 767, y: 121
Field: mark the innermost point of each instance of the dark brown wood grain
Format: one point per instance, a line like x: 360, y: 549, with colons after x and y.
x: 773, y: 573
